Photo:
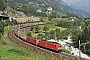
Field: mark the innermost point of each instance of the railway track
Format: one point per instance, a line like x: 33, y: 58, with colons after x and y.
x: 7, y: 41
x: 55, y: 56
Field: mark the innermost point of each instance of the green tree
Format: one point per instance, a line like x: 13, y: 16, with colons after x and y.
x: 65, y: 24
x: 3, y: 4
x: 8, y: 23
x: 52, y: 34
x: 2, y: 25
x: 29, y: 34
x: 40, y: 36
x: 57, y: 33
x: 36, y: 29
x: 47, y: 35
x: 31, y: 28
x: 14, y: 22
x: 45, y: 28
x: 84, y: 37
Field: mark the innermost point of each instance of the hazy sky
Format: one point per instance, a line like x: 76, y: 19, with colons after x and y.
x: 82, y: 4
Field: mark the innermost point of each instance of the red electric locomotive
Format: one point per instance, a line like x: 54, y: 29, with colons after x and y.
x: 43, y: 43
x: 51, y: 45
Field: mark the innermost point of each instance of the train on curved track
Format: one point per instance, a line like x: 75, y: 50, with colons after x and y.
x: 42, y: 43
x: 46, y: 44
x: 54, y: 46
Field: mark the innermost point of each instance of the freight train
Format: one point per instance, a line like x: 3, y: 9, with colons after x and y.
x: 54, y: 46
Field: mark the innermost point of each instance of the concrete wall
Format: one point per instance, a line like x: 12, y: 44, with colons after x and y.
x: 27, y: 19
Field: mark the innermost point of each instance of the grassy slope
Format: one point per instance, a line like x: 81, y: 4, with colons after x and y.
x: 61, y: 14
x: 50, y: 26
x: 8, y: 52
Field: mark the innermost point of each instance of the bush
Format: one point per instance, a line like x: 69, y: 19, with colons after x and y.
x: 66, y: 51
x: 4, y: 43
x: 21, y: 52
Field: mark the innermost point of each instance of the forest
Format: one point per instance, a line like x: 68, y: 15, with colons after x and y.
x: 4, y: 24
x: 3, y: 4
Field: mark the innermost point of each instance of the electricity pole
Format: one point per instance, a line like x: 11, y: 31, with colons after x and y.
x: 79, y: 51
x: 24, y: 32
x: 55, y: 36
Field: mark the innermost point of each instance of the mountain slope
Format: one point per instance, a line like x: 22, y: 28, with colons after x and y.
x: 3, y: 4
x: 58, y: 5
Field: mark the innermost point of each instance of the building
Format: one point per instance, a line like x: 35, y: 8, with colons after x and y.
x: 49, y: 10
x: 39, y: 10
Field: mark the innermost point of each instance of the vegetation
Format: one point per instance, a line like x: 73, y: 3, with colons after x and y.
x: 66, y: 51
x: 4, y: 24
x: 72, y: 15
x: 20, y: 52
x: 64, y: 24
x: 57, y: 5
x: 35, y: 29
x: 48, y: 32
x: 45, y: 28
x: 60, y: 14
x: 70, y: 24
x: 84, y: 37
x: 29, y: 34
x: 29, y: 10
x: 15, y: 51
x: 3, y: 4
x: 79, y: 30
